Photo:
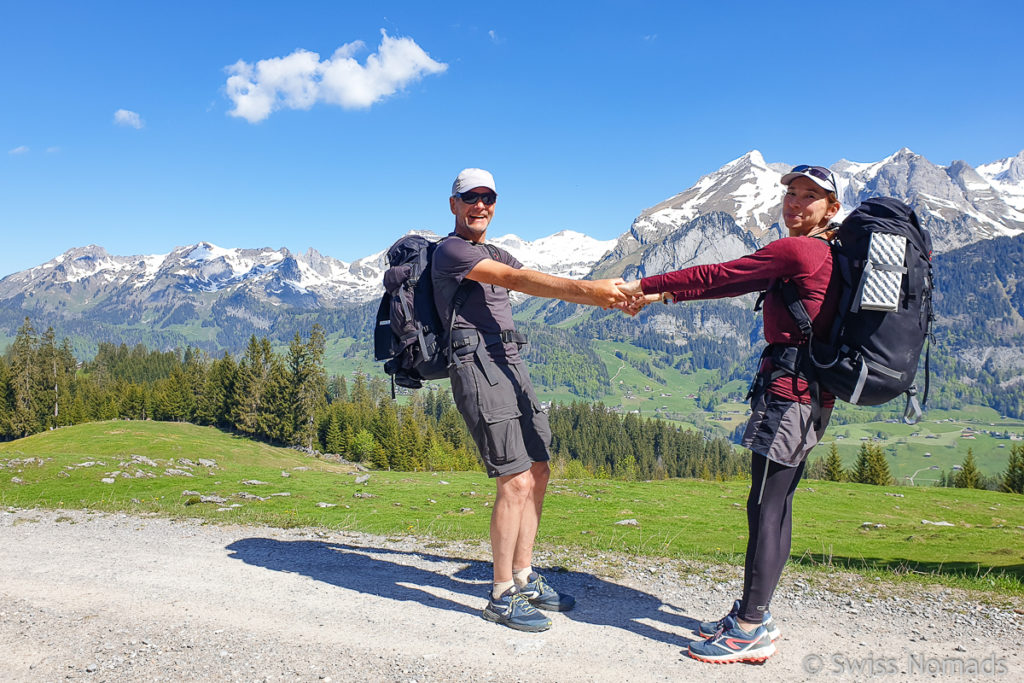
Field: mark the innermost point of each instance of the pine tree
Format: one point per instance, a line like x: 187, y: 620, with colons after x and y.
x: 134, y: 403
x: 871, y: 467
x: 56, y: 367
x: 1013, y: 478
x: 307, y: 387
x: 251, y: 387
x: 333, y: 440
x: 410, y: 441
x: 968, y: 477
x: 362, y: 403
x: 815, y: 469
x: 834, y: 465
x: 24, y: 382
x: 276, y: 420
x: 337, y: 390
x: 452, y: 427
x: 219, y: 396
x: 385, y: 431
x: 6, y: 429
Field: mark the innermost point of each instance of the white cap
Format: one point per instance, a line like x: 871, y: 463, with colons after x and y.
x: 819, y: 175
x: 473, y: 177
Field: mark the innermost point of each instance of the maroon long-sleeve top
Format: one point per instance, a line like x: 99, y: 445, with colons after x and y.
x: 805, y: 261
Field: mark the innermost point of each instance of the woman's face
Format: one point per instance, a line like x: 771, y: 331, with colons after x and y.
x: 806, y: 207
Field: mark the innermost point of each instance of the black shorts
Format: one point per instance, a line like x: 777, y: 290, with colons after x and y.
x: 510, y: 429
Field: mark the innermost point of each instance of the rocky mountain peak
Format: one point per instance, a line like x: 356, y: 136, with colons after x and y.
x: 1014, y: 172
x: 90, y: 251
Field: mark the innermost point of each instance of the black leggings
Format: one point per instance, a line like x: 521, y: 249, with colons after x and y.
x: 770, y: 523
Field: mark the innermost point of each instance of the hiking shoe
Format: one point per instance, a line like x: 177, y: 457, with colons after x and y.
x: 733, y: 644
x: 513, y: 610
x: 543, y: 596
x: 708, y: 629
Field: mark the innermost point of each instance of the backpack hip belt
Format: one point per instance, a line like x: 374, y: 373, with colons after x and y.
x: 788, y: 360
x: 469, y: 342
x: 466, y: 339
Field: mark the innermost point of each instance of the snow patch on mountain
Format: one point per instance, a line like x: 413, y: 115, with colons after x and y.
x: 746, y: 188
x: 1007, y: 177
x: 566, y: 253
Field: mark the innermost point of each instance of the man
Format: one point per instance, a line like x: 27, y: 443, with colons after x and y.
x: 493, y: 392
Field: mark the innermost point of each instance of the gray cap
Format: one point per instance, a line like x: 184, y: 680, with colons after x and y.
x: 473, y: 177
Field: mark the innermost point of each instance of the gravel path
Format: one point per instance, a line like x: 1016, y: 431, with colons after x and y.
x: 113, y: 597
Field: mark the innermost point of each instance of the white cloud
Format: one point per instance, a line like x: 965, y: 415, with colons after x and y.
x: 301, y: 79
x: 22, y: 149
x: 124, y: 117
x: 52, y: 150
x: 495, y: 38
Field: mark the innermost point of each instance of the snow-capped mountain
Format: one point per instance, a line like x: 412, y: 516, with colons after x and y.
x: 167, y: 299
x: 709, y: 238
x: 566, y: 253
x: 1007, y: 177
x: 200, y: 269
x: 746, y: 188
x: 206, y: 272
x: 959, y: 204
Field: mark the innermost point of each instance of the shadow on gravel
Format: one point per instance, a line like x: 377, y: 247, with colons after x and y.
x: 406, y: 575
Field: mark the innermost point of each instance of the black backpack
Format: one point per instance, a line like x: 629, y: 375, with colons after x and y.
x: 409, y: 335
x: 882, y: 261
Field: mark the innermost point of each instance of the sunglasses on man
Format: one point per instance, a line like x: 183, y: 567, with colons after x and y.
x: 818, y: 172
x: 487, y: 198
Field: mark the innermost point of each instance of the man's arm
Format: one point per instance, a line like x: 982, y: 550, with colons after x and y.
x: 603, y: 293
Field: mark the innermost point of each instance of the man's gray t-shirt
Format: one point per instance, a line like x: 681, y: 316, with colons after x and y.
x: 487, y: 307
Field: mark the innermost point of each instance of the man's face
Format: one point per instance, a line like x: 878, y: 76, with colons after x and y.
x: 472, y: 219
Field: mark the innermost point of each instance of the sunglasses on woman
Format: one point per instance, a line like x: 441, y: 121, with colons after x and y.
x: 487, y: 198
x: 818, y: 172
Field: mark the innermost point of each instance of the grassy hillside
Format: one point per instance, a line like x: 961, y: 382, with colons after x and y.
x: 172, y: 469
x: 940, y: 440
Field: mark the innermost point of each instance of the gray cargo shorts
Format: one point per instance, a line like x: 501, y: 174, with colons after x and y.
x: 782, y: 430
x: 510, y: 429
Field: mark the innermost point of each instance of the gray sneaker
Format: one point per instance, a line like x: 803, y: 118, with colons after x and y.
x: 710, y: 628
x: 733, y: 644
x: 543, y: 596
x: 513, y: 610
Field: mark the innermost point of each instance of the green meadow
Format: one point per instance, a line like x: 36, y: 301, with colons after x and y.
x: 939, y: 442
x: 177, y: 469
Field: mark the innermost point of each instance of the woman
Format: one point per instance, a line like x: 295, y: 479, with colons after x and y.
x: 787, y: 417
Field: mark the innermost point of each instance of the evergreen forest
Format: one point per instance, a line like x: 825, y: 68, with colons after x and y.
x: 288, y: 399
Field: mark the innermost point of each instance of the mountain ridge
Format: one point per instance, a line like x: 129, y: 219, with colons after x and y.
x: 214, y: 296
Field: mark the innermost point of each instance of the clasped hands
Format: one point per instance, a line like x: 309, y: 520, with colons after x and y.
x: 626, y: 296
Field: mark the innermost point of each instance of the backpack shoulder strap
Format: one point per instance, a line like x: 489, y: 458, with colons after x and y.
x: 796, y: 307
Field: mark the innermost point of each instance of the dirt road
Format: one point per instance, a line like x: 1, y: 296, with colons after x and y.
x: 111, y: 597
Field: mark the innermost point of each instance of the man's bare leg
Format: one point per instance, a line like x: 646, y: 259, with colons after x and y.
x: 514, y: 497
x: 530, y: 522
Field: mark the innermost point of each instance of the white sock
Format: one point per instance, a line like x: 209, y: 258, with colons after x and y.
x: 500, y: 587
x: 522, y: 576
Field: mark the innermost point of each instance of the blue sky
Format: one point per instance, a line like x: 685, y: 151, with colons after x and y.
x: 587, y: 113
